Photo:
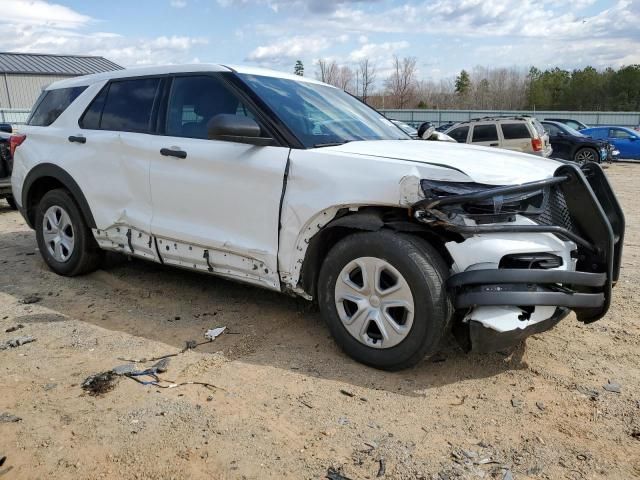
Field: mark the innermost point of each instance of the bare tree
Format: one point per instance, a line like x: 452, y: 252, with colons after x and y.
x: 366, y: 78
x: 344, y: 79
x: 402, y: 81
x: 327, y: 71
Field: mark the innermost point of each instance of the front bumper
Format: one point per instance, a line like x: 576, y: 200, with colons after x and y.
x: 591, y: 225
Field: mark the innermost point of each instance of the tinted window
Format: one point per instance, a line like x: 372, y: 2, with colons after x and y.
x: 91, y: 118
x: 51, y: 104
x: 128, y: 105
x: 554, y: 131
x: 194, y: 101
x: 459, y: 134
x: 485, y: 133
x: 513, y: 131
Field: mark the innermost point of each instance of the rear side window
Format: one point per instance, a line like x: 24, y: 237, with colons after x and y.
x: 514, y: 131
x: 615, y: 133
x: 485, y: 133
x: 125, y: 106
x: 459, y: 134
x: 51, y: 104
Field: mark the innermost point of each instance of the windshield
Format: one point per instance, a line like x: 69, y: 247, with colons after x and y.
x: 319, y: 115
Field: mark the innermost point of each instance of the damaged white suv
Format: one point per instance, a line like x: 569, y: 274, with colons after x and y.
x: 293, y: 185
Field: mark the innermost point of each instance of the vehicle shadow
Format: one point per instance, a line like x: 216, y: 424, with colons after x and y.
x: 264, y: 328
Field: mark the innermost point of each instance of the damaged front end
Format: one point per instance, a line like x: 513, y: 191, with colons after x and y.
x: 527, y: 254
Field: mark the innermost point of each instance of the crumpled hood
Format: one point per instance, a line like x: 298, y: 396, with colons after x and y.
x: 488, y: 165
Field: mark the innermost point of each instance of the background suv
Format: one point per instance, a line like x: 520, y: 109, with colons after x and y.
x: 289, y: 184
x: 520, y: 134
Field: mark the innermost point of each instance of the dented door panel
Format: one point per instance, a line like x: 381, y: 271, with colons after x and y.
x: 223, y: 197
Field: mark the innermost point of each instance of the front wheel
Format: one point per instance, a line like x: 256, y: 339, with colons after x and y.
x: 585, y: 155
x: 383, y: 297
x: 64, y: 239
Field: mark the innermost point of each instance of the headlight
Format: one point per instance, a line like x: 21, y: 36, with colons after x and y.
x: 499, y: 208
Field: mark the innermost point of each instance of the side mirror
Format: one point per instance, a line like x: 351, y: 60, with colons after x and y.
x: 633, y: 139
x: 6, y: 128
x: 235, y: 128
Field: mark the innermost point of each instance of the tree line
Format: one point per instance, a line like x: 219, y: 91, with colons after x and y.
x: 486, y: 88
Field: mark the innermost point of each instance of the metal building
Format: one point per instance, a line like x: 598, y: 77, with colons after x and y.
x: 24, y: 75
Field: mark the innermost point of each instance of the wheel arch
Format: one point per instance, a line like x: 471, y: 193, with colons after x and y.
x: 365, y: 219
x: 44, y: 178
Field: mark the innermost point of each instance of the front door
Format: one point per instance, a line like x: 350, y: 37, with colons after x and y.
x: 216, y: 204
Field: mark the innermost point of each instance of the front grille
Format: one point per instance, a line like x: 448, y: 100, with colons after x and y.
x: 556, y: 211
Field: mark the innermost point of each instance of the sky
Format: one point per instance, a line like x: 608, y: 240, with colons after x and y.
x: 444, y: 35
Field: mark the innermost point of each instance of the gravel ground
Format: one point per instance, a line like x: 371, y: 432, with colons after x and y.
x: 282, y: 400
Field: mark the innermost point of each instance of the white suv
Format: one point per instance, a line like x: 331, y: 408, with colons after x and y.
x: 519, y: 133
x: 293, y: 185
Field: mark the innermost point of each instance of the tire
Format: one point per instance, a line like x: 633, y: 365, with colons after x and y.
x: 399, y: 261
x: 586, y: 154
x: 12, y: 202
x: 77, y: 251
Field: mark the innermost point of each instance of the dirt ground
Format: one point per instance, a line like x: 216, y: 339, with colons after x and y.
x: 286, y: 402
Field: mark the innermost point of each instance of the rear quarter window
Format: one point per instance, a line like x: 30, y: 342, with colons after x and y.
x: 515, y: 131
x: 51, y: 104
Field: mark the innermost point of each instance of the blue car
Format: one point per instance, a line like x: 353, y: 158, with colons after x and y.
x: 626, y: 140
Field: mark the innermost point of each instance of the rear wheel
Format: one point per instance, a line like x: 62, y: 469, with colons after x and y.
x: 64, y: 239
x: 383, y: 297
x: 585, y: 155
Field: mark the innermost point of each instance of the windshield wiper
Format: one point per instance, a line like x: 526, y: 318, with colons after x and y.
x: 331, y: 144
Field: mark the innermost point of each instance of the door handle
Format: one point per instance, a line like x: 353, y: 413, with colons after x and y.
x: 77, y: 139
x: 168, y: 152
x: 494, y: 144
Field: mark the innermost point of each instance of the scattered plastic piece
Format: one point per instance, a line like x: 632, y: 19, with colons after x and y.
x: 16, y: 342
x: 9, y: 418
x: 213, y: 333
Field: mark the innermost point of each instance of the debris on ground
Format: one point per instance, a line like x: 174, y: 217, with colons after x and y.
x: 347, y: 393
x: 16, y: 342
x: 383, y: 468
x: 213, y: 333
x: 3, y: 459
x: 6, y: 417
x: 612, y: 386
x: 333, y: 474
x: 14, y: 328
x: 100, y: 383
x: 29, y: 299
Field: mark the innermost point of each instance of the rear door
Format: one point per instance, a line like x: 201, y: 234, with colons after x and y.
x: 485, y: 134
x: 113, y: 137
x: 516, y: 136
x: 216, y: 204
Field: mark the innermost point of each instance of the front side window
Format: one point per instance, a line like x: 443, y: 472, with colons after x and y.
x: 51, y: 104
x: 485, y: 133
x: 194, y: 101
x: 128, y: 105
x: 320, y: 115
x: 515, y: 131
x: 459, y: 134
x: 618, y: 133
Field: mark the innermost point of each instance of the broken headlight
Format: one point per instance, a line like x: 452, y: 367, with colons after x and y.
x: 498, y: 208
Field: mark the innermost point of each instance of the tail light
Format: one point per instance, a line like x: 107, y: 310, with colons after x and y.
x: 536, y: 144
x: 15, y: 141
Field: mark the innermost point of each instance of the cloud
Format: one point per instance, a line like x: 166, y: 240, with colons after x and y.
x: 51, y: 28
x: 313, y: 6
x: 178, y: 3
x: 375, y: 51
x: 286, y: 49
x: 37, y: 12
